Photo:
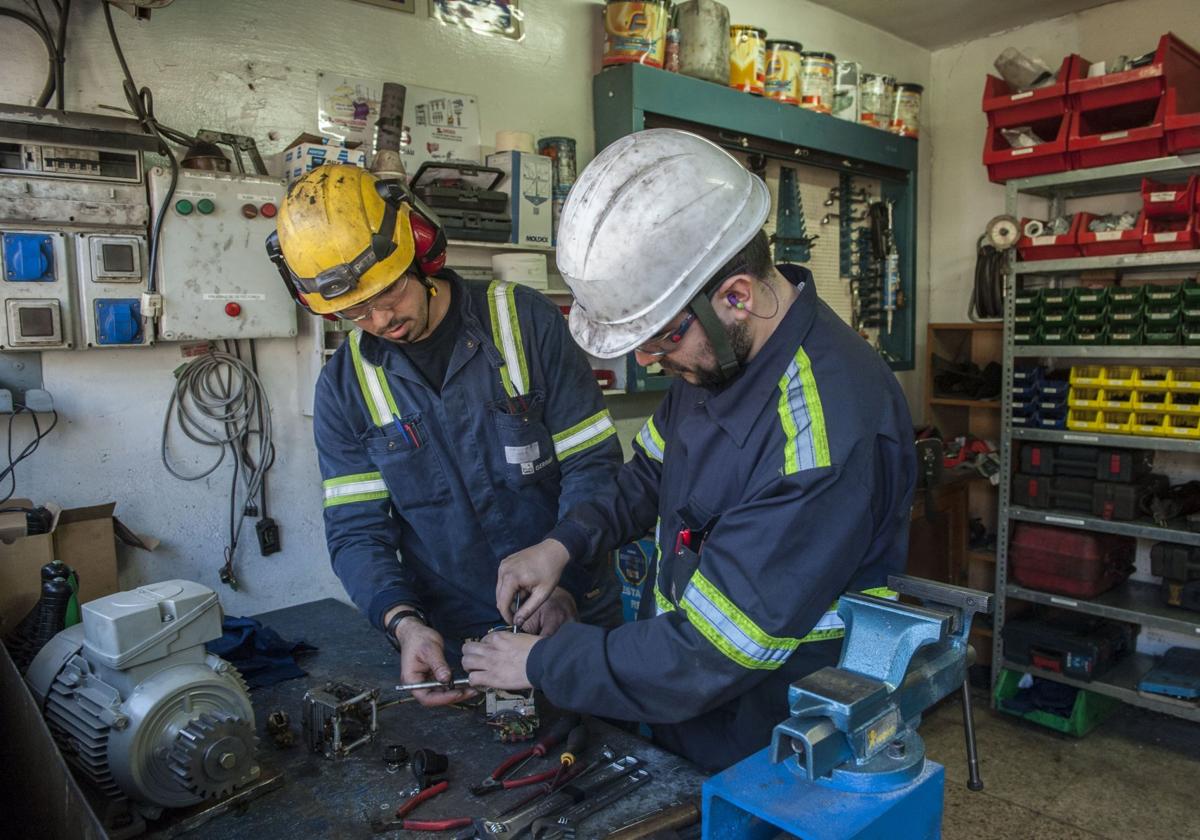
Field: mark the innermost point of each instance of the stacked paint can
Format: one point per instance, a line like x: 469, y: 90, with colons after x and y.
x: 817, y: 74
x: 561, y: 150
x: 907, y: 109
x: 878, y: 100
x: 783, y: 71
x: 635, y: 33
x: 748, y: 59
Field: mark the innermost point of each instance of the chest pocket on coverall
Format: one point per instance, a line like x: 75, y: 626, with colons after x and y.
x: 525, y: 441
x: 409, y: 462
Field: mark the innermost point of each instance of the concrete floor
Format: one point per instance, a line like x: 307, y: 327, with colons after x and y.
x: 1137, y: 775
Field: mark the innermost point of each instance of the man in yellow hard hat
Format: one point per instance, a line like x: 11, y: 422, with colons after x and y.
x: 454, y: 427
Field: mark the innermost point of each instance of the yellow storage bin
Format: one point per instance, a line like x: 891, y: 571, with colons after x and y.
x: 1083, y: 419
x: 1083, y: 398
x: 1184, y: 402
x: 1120, y: 376
x: 1185, y: 379
x: 1154, y: 378
x: 1144, y: 400
x: 1149, y: 424
x: 1183, y: 425
x: 1117, y: 398
x: 1115, y: 422
x: 1087, y: 375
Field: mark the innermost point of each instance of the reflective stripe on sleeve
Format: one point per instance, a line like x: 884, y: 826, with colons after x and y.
x: 585, y: 434
x: 806, y: 444
x: 831, y: 625
x: 651, y: 441
x: 360, y: 487
x: 506, y: 334
x: 730, y: 630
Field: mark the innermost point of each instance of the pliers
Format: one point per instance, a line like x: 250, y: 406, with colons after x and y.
x: 496, y: 779
x: 399, y: 821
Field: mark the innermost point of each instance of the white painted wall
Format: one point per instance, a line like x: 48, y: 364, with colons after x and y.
x: 963, y: 200
x: 249, y: 66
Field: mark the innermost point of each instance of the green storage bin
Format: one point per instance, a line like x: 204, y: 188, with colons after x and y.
x: 1058, y: 318
x: 1191, y: 335
x: 1028, y: 320
x: 1127, y: 297
x: 1091, y: 336
x: 1164, y: 295
x: 1126, y: 337
x: 1094, y: 318
x: 1129, y: 318
x: 1191, y: 314
x: 1027, y: 336
x: 1161, y: 319
x: 1190, y: 293
x: 1027, y: 299
x: 1057, y: 298
x: 1058, y: 335
x: 1162, y: 337
x: 1090, y: 710
x: 1089, y: 299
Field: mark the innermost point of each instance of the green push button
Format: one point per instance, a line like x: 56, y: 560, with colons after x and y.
x: 183, y: 207
x: 205, y: 206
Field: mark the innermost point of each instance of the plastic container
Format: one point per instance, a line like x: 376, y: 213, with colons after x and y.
x: 1106, y: 243
x: 1005, y: 108
x: 1127, y: 336
x: 1118, y: 398
x: 1084, y: 420
x: 1151, y: 400
x: 1051, y: 247
x: 1069, y: 562
x: 1182, y: 120
x: 1172, y: 234
x: 818, y: 76
x: 1084, y: 397
x: 1004, y: 162
x: 1129, y: 319
x: 1090, y: 709
x: 1087, y: 375
x: 1076, y: 646
x: 1183, y: 426
x: 1120, y: 376
x: 906, y: 110
x: 878, y: 94
x: 1091, y: 319
x: 783, y: 71
x: 1059, y: 318
x: 635, y: 33
x: 748, y: 59
x: 1058, y: 336
x: 1185, y: 379
x: 1168, y: 201
x: 1161, y: 295
x: 1027, y: 299
x: 1117, y: 134
x: 1160, y: 337
x: 1033, y: 491
x: 1089, y: 297
x: 1056, y: 298
x: 1148, y: 424
x: 1175, y: 64
x: 1154, y: 378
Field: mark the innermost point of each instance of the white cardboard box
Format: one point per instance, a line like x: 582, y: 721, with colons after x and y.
x: 528, y: 183
x: 304, y: 155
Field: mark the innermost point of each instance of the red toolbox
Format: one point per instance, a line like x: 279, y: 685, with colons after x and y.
x: 1168, y: 201
x: 1107, y: 243
x: 1003, y: 162
x: 1172, y: 234
x: 1051, y: 247
x: 1068, y: 562
x: 1005, y: 108
x: 1182, y: 120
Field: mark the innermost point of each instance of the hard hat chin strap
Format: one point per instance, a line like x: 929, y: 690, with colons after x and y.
x: 702, y: 307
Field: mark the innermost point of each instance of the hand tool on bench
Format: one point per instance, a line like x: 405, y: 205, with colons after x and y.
x: 501, y: 777
x: 564, y: 826
x: 400, y: 819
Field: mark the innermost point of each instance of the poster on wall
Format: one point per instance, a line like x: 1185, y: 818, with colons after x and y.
x: 439, y: 125
x: 484, y: 17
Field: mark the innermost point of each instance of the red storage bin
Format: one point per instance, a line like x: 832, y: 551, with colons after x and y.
x: 1004, y: 162
x: 1067, y: 562
x: 1005, y: 109
x: 1117, y: 134
x: 1168, y: 201
x: 1172, y: 234
x: 1182, y: 121
x: 1175, y: 64
x: 1110, y: 242
x: 1061, y: 247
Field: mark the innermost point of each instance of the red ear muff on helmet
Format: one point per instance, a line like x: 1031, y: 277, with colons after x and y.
x: 430, y: 241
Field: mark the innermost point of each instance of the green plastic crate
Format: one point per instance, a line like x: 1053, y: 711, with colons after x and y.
x: 1028, y: 320
x: 1094, y: 318
x: 1091, y: 337
x: 1090, y: 710
x: 1162, y: 337
x: 1129, y: 297
x: 1191, y: 294
x: 1058, y: 318
x: 1057, y: 298
x: 1028, y: 299
x: 1127, y: 317
x: 1063, y: 335
x: 1164, y: 295
x: 1126, y: 337
x: 1191, y: 336
x: 1163, y: 318
x: 1027, y: 336
x: 1089, y: 299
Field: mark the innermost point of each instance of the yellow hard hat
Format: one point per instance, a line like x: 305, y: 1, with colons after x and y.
x: 342, y: 242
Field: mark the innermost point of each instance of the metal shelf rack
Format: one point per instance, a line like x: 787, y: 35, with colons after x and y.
x: 1135, y: 602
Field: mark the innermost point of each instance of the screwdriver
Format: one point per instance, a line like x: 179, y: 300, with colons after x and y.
x: 433, y: 684
x: 561, y: 729
x: 576, y: 744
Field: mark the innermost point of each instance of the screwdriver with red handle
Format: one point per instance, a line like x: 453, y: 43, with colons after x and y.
x: 502, y: 777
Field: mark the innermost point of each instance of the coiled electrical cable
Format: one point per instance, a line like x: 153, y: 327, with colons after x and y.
x: 217, y: 402
x: 987, y: 295
x: 51, y: 52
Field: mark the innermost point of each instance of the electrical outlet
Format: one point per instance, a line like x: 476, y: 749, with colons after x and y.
x: 38, y: 400
x: 268, y: 536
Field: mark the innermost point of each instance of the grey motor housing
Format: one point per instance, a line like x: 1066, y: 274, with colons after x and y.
x: 139, y: 706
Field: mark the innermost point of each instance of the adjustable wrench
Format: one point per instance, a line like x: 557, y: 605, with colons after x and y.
x: 564, y: 826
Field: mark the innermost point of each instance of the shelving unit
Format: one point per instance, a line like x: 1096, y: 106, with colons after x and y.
x: 1135, y: 602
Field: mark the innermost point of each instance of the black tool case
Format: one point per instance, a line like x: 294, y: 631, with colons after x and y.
x: 465, y: 199
x: 1078, y: 647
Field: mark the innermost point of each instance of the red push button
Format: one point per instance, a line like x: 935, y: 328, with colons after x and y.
x: 268, y: 210
x: 233, y: 309
x: 249, y: 211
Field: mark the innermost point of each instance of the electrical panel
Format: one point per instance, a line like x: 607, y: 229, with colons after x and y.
x: 35, y: 289
x: 214, y: 275
x: 45, y: 143
x: 111, y: 269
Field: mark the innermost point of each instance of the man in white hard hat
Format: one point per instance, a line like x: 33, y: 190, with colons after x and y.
x: 777, y: 473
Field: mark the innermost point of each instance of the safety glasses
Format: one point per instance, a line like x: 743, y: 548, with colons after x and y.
x: 661, y: 345
x: 386, y: 299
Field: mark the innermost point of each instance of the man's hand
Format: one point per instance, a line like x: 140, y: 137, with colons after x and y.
x: 498, y: 660
x: 422, y: 658
x: 533, y: 574
x: 557, y: 610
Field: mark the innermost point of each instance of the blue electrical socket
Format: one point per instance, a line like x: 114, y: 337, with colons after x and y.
x: 28, y: 258
x: 118, y: 321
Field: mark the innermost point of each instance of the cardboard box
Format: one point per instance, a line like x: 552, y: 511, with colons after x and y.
x: 308, y: 151
x: 83, y: 538
x: 528, y: 179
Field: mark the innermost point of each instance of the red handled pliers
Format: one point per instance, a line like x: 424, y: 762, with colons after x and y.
x: 497, y: 781
x: 399, y: 819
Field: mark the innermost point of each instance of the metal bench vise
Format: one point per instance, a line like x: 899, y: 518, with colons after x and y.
x: 849, y: 763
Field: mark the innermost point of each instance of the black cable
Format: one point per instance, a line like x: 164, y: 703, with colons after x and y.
x: 987, y: 293
x: 30, y: 448
x: 60, y: 54
x: 48, y: 42
x: 262, y: 493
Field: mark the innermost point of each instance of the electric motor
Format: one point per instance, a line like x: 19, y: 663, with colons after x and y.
x: 138, y: 705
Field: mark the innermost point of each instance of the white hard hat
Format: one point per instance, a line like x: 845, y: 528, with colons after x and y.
x: 649, y: 222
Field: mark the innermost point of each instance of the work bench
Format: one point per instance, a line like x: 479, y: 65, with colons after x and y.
x: 321, y: 797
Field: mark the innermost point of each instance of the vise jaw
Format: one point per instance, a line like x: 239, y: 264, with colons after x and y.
x: 897, y: 660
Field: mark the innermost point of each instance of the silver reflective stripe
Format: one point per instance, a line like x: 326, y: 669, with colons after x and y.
x: 650, y: 440
x: 373, y: 381
x: 731, y: 634
x: 355, y: 489
x: 579, y: 438
x: 508, y: 342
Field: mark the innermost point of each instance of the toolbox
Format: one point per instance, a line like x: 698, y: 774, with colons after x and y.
x: 1032, y: 491
x: 1071, y: 493
x: 466, y: 200
x: 1102, y: 464
x: 1177, y: 674
x: 1069, y: 562
x: 1123, y: 502
x: 1074, y: 646
x: 1179, y: 567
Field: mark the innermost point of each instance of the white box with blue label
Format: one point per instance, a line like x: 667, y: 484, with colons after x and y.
x: 527, y: 180
x: 308, y: 151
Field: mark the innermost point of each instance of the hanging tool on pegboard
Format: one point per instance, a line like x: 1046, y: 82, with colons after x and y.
x: 791, y: 240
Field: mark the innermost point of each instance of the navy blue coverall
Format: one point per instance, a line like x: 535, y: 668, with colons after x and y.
x: 770, y: 498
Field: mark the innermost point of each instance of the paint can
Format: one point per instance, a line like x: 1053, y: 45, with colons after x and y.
x: 817, y: 72
x: 671, y: 62
x: 783, y: 71
x: 747, y: 58
x: 635, y: 33
x: 878, y: 99
x: 907, y: 110
x: 561, y: 150
x: 703, y: 40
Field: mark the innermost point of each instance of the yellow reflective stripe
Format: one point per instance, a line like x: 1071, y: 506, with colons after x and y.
x: 584, y: 434
x: 360, y: 487
x: 373, y: 383
x: 361, y: 374
x: 730, y: 630
x: 806, y: 442
x: 506, y: 335
x: 831, y: 626
x: 651, y: 441
x: 662, y: 603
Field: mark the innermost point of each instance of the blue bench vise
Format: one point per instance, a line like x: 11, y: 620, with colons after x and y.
x: 848, y: 762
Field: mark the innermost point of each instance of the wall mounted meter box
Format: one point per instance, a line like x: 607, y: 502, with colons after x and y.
x: 46, y: 143
x: 111, y: 270
x: 214, y: 275
x: 35, y: 290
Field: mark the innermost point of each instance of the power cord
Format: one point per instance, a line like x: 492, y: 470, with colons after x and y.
x: 987, y: 295
x: 31, y: 447
x: 42, y: 28
x: 217, y: 401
